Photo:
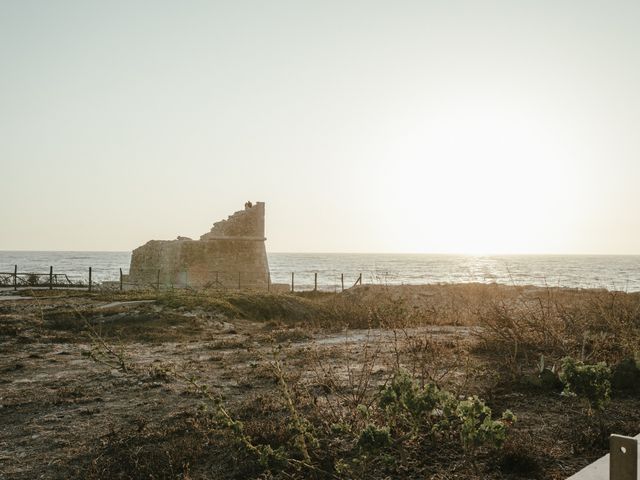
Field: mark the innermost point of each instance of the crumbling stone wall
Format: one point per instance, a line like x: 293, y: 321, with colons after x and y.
x: 245, y: 223
x: 231, y: 255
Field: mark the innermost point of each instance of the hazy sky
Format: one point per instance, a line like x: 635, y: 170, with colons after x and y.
x: 395, y: 126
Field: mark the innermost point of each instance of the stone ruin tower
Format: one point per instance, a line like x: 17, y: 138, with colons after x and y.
x: 231, y: 255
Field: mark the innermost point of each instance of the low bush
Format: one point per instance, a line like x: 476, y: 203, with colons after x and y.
x: 477, y: 428
x: 592, y: 325
x: 590, y: 382
x: 625, y: 376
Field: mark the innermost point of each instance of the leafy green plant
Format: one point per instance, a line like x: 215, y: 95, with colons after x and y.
x: 478, y: 428
x: 404, y: 395
x: 374, y: 438
x: 439, y: 411
x: 591, y: 382
x: 408, y: 403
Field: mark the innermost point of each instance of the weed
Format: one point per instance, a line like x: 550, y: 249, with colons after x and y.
x: 406, y: 402
x: 373, y: 438
x: 477, y: 426
x: 590, y: 382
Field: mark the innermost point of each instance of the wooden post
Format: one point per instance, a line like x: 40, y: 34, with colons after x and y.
x: 315, y: 282
x: 15, y: 277
x: 360, y: 280
x: 120, y: 279
x: 89, y: 278
x: 158, y: 281
x: 51, y: 278
x: 292, y: 284
x: 342, y: 280
x: 268, y: 282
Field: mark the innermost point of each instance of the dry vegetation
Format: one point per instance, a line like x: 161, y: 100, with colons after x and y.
x: 376, y: 382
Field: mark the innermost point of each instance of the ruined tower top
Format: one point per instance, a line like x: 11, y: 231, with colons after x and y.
x: 247, y: 224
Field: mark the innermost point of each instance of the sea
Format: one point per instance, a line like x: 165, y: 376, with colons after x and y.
x: 612, y: 272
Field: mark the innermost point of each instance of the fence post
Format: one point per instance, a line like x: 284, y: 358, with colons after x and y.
x: 268, y: 282
x: 89, y: 278
x: 120, y: 279
x: 360, y: 280
x: 315, y: 282
x: 292, y: 284
x: 51, y: 277
x: 623, y: 459
x: 15, y: 277
x: 342, y: 280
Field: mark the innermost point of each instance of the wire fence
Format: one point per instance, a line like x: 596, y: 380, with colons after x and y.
x: 159, y: 279
x: 51, y: 279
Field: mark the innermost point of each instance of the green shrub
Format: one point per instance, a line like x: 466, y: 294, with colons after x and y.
x: 437, y: 410
x: 373, y: 438
x: 405, y: 396
x: 477, y: 428
x: 626, y: 376
x: 410, y: 406
x: 591, y: 382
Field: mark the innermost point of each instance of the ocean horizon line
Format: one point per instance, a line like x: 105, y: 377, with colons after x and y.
x: 463, y: 254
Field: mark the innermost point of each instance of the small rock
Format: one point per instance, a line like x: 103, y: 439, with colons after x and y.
x: 226, y: 327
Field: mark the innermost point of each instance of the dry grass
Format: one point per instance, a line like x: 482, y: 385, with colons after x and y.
x: 292, y: 385
x: 590, y: 325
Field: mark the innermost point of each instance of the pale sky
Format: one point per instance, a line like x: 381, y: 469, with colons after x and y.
x: 366, y: 126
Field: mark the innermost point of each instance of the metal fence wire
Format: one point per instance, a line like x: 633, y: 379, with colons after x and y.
x: 159, y: 279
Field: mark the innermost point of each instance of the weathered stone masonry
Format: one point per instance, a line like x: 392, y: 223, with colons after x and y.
x: 231, y: 255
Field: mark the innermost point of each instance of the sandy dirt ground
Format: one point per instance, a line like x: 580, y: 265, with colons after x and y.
x: 57, y: 402
x: 63, y: 399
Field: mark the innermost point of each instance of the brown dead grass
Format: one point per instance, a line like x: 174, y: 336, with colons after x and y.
x: 93, y: 421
